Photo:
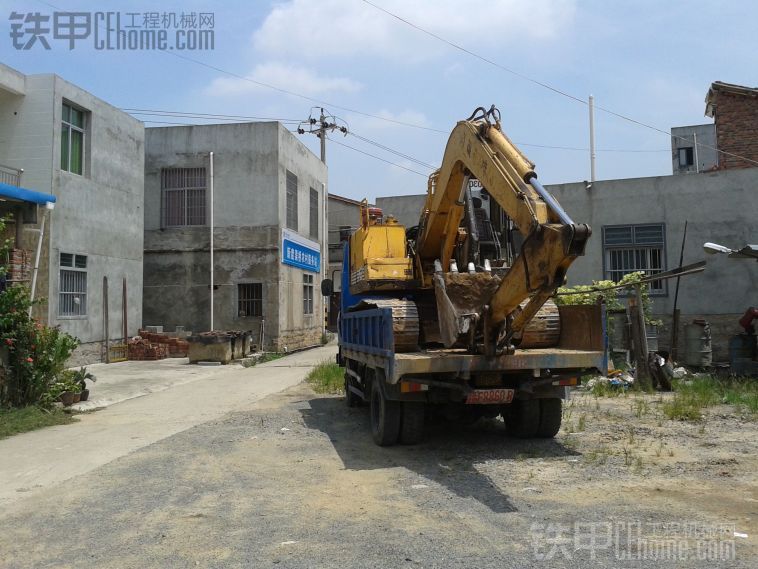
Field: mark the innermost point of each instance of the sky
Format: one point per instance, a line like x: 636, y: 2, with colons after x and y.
x: 651, y: 61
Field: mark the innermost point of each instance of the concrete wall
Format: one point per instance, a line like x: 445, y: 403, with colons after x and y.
x: 98, y: 214
x: 705, y: 158
x: 406, y: 209
x: 720, y: 207
x: 177, y: 260
x: 250, y: 163
x: 27, y: 142
x: 297, y: 329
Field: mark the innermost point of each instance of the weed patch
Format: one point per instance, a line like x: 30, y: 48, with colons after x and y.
x: 327, y: 377
x: 15, y: 421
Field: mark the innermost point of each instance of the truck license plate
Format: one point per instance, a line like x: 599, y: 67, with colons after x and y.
x: 489, y: 396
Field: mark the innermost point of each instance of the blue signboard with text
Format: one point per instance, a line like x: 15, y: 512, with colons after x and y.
x: 300, y: 252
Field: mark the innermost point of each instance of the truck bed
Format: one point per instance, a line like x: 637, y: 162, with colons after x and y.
x: 446, y: 361
x: 367, y: 336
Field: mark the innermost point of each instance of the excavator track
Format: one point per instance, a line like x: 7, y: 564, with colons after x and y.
x: 405, y: 323
x: 544, y: 329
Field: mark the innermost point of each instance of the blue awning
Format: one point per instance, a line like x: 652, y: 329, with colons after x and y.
x: 21, y: 194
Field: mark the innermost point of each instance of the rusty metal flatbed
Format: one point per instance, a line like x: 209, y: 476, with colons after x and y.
x: 448, y: 361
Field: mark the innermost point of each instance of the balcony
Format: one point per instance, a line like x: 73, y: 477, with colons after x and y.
x: 10, y: 176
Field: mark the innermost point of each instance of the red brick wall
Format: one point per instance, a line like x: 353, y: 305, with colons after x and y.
x: 737, y: 129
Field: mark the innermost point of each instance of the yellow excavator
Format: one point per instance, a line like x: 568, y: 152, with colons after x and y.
x: 454, y: 316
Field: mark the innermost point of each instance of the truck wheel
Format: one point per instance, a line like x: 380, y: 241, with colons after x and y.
x: 351, y: 399
x: 522, y: 418
x: 412, y: 423
x: 385, y: 417
x: 550, y: 417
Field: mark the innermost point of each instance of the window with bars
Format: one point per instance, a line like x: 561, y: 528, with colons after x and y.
x: 307, y: 294
x: 72, y: 285
x: 633, y: 248
x: 686, y: 157
x: 183, y: 196
x: 72, y: 139
x: 249, y: 299
x: 314, y: 214
x: 291, y: 201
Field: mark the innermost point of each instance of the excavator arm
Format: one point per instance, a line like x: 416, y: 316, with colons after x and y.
x: 478, y: 148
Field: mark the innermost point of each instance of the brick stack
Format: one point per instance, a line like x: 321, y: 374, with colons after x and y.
x: 19, y: 265
x: 141, y: 349
x: 177, y: 347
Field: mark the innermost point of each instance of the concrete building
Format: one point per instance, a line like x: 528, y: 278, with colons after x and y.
x: 638, y: 224
x: 693, y: 149
x: 344, y: 216
x: 268, y: 213
x: 734, y: 109
x: 60, y: 140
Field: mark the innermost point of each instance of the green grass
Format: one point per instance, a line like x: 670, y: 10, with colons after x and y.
x: 15, y: 421
x: 262, y: 359
x: 327, y: 377
x: 690, y: 398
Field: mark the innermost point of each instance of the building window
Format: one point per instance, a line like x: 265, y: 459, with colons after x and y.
x: 249, y: 299
x: 291, y: 201
x: 314, y: 214
x: 686, y: 157
x: 307, y: 294
x: 182, y: 196
x: 72, y: 140
x: 72, y: 288
x: 632, y: 248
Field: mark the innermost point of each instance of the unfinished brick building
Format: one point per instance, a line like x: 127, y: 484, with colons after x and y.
x: 734, y: 109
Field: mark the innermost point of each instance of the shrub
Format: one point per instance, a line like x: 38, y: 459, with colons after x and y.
x: 36, y: 354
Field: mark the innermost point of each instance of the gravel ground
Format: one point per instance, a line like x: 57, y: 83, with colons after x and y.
x: 296, y: 482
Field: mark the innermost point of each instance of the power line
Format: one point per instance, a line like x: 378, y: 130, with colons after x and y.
x: 393, y: 151
x: 280, y: 89
x: 547, y: 86
x: 206, y: 116
x: 378, y: 158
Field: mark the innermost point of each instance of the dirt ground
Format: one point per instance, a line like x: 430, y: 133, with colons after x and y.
x: 296, y: 482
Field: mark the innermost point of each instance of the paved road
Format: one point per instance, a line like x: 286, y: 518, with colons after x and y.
x: 294, y: 481
x: 190, y: 395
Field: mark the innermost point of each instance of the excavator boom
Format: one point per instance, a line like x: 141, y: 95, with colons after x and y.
x: 477, y: 148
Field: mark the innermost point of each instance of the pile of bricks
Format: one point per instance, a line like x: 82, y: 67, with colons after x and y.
x: 141, y: 349
x: 19, y: 265
x: 177, y: 347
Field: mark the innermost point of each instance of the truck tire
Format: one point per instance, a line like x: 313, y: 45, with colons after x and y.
x: 412, y: 423
x: 385, y: 416
x: 550, y: 417
x: 522, y: 418
x: 351, y: 399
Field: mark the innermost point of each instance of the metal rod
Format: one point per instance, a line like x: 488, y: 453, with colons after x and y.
x: 125, y: 312
x: 106, y: 326
x: 697, y: 160
x: 675, y: 314
x: 698, y: 267
x: 212, y: 227
x: 48, y: 207
x: 551, y: 201
x: 592, y: 138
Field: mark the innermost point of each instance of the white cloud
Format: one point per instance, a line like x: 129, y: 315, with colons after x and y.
x: 334, y: 28
x: 293, y: 78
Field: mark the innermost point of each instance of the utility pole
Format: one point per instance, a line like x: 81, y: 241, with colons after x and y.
x: 319, y: 127
x: 592, y: 139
